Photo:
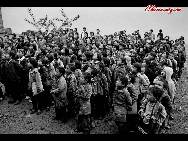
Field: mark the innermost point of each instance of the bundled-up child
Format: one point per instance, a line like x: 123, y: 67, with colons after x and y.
x: 84, y: 95
x: 152, y: 112
x: 46, y: 81
x: 60, y: 96
x: 35, y: 85
x: 122, y: 102
x: 71, y: 91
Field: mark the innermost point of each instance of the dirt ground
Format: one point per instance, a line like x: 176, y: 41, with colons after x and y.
x: 15, y: 119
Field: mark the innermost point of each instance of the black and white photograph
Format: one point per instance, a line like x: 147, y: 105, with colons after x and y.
x: 94, y: 70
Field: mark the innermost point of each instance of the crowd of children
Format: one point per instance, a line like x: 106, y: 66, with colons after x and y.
x: 88, y: 76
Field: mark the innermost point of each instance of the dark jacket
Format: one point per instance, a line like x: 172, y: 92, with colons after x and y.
x: 122, y: 98
x: 14, y: 71
x: 166, y: 102
x: 122, y: 103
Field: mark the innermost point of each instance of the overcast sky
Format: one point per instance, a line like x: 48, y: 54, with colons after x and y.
x: 107, y: 19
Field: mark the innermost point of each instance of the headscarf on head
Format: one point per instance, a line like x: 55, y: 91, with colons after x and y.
x: 168, y: 71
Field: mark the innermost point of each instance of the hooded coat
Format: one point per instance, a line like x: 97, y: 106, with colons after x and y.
x: 171, y: 84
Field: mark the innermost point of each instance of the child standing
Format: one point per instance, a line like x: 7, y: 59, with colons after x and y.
x: 35, y: 84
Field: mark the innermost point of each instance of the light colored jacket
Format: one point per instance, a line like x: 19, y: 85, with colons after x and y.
x: 62, y: 87
x: 152, y: 110
x: 35, y: 82
x: 60, y: 93
x: 171, y: 84
x: 84, y: 96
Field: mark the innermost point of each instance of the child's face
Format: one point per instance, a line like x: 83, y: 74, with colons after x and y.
x: 171, y: 56
x: 118, y: 82
x: 29, y: 65
x: 164, y: 55
x: 39, y: 62
x: 143, y: 69
x: 134, y: 69
x: 119, y: 61
x: 67, y: 69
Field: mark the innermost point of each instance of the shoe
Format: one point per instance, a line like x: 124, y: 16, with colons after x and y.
x: 77, y: 130
x: 132, y: 132
x: 141, y: 130
x: 27, y: 98
x: 171, y: 118
x: 39, y: 112
x: 167, y: 127
x: 17, y: 102
x: 11, y: 101
x: 92, y: 125
x: 56, y: 118
x: 48, y: 109
x: 33, y: 111
x: 101, y: 118
x: 64, y: 121
x: 86, y: 132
